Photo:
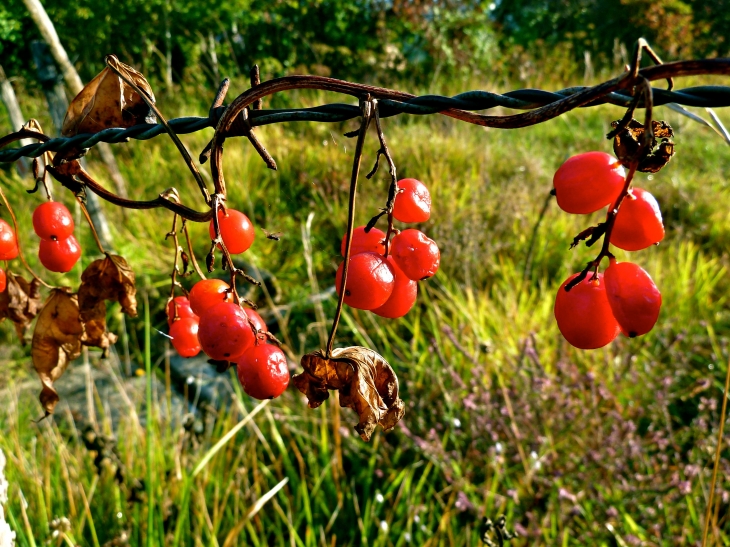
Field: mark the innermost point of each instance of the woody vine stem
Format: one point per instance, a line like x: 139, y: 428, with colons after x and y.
x: 236, y: 120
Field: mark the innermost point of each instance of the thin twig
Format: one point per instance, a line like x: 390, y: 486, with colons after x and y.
x: 191, y: 253
x: 91, y: 224
x: 367, y: 111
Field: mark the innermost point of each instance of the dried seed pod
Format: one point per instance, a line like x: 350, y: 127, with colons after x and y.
x: 627, y: 143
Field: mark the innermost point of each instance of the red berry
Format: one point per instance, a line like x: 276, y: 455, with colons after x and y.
x: 404, y: 295
x: 263, y: 371
x: 224, y: 331
x: 370, y: 242
x: 417, y: 255
x: 587, y: 182
x: 370, y: 281
x: 638, y: 223
x: 184, y: 333
x: 413, y: 204
x: 633, y: 296
x: 8, y: 242
x: 236, y: 230
x: 256, y: 319
x: 53, y: 220
x: 207, y: 293
x: 60, y: 255
x: 583, y: 314
x: 183, y: 309
x: 3, y: 280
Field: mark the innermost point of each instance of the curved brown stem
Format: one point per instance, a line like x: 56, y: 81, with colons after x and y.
x: 91, y: 224
x: 191, y: 253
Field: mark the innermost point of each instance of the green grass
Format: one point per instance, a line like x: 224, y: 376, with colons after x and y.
x: 608, y: 447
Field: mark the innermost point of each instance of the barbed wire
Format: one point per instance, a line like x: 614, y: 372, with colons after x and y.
x: 521, y: 99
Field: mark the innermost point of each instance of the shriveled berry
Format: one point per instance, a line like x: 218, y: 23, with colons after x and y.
x: 207, y: 293
x: 8, y: 242
x: 587, y: 182
x: 182, y: 305
x: 416, y: 254
x: 584, y: 315
x: 362, y: 242
x: 403, y: 297
x: 236, y: 230
x: 263, y: 371
x: 53, y: 220
x: 3, y: 280
x: 638, y: 223
x: 60, y: 255
x: 184, y: 333
x: 633, y: 297
x: 413, y: 204
x: 370, y: 281
x: 224, y: 331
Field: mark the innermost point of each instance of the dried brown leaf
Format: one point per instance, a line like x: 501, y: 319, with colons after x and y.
x: 626, y: 144
x: 107, y: 101
x: 108, y: 278
x: 366, y: 383
x: 20, y: 302
x: 56, y: 342
x: 95, y: 329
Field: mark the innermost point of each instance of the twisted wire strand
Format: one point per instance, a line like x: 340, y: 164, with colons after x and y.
x: 521, y: 99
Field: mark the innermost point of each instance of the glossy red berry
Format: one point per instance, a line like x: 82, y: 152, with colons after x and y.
x: 207, y: 293
x: 182, y: 305
x: 638, y: 223
x: 3, y: 280
x: 256, y: 319
x: 413, y: 204
x: 587, y: 182
x: 403, y: 297
x: 60, y: 255
x: 370, y: 242
x: 417, y: 255
x: 633, y: 297
x: 52, y: 220
x: 236, y: 230
x: 184, y: 333
x: 370, y: 281
x: 263, y: 371
x: 224, y: 331
x: 584, y: 315
x: 8, y: 242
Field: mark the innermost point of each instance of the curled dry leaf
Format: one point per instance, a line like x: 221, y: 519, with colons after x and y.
x: 627, y: 143
x: 57, y: 340
x: 20, y: 302
x: 366, y: 383
x: 107, y: 101
x: 108, y: 278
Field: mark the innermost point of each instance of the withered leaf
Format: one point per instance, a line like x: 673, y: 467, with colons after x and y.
x: 20, y: 302
x: 107, y: 101
x: 627, y: 142
x: 366, y: 383
x: 108, y: 278
x: 56, y: 342
x: 95, y: 328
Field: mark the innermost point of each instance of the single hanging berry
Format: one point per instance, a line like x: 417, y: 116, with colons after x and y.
x: 413, y: 203
x: 8, y: 242
x: 263, y: 371
x: 584, y: 315
x: 236, y: 230
x: 184, y: 334
x: 364, y: 242
x: 417, y: 255
x: 181, y: 304
x: 60, y: 255
x: 370, y: 281
x: 224, y: 331
x: 588, y: 182
x: 53, y: 220
x: 633, y: 297
x: 404, y: 295
x: 638, y: 223
x: 207, y: 293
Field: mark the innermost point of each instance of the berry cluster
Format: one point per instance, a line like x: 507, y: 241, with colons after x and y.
x: 59, y: 251
x: 8, y: 248
x: 385, y: 281
x: 591, y: 310
x: 208, y: 319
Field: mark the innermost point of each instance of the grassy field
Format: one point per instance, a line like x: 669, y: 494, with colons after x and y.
x: 607, y: 447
